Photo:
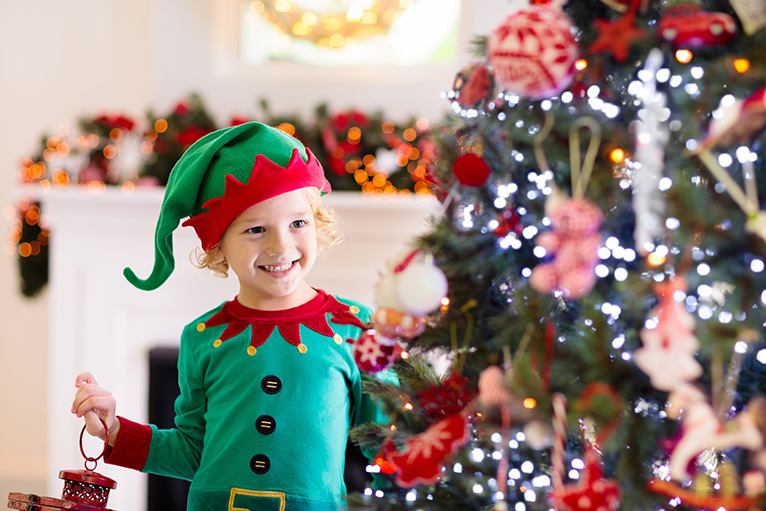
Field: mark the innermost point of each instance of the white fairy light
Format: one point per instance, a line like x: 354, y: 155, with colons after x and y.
x: 757, y: 265
x: 725, y: 160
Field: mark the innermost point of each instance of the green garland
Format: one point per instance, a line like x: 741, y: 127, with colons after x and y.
x: 359, y: 151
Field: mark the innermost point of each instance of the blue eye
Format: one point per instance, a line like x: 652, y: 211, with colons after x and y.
x: 299, y: 223
x: 255, y: 230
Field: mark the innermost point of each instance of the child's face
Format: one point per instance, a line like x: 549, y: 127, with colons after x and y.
x: 271, y: 247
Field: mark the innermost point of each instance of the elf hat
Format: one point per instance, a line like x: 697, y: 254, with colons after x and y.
x: 218, y: 178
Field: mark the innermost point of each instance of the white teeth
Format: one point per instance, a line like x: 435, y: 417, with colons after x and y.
x: 278, y: 268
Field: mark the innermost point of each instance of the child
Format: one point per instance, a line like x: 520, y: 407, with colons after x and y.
x: 263, y: 414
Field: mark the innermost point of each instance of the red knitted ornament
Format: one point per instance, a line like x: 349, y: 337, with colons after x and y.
x: 533, y: 52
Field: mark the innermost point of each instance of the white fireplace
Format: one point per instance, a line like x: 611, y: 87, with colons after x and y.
x: 102, y: 324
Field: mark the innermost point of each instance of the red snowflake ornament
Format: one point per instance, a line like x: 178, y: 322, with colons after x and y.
x: 374, y: 352
x: 592, y: 493
x: 425, y: 454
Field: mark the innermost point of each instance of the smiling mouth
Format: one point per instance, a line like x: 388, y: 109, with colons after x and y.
x: 277, y: 269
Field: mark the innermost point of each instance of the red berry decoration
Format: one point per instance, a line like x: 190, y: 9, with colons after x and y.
x: 471, y: 170
x: 533, y: 52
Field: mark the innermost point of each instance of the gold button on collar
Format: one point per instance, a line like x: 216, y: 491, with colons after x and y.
x: 302, y: 348
x: 338, y: 339
x: 217, y: 343
x: 354, y: 309
x: 251, y: 350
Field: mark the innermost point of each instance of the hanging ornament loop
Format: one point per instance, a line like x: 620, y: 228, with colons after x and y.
x: 581, y: 175
x: 89, y: 459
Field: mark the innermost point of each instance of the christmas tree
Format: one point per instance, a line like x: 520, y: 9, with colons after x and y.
x: 581, y: 329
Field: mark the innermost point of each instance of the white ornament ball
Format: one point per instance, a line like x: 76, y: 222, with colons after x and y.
x: 533, y: 52
x: 421, y: 288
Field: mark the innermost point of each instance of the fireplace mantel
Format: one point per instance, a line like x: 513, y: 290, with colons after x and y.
x: 100, y: 323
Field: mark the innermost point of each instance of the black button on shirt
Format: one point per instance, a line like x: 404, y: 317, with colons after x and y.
x: 271, y: 384
x: 260, y: 464
x: 265, y: 424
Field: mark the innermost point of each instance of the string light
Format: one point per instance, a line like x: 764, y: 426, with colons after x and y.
x: 684, y: 56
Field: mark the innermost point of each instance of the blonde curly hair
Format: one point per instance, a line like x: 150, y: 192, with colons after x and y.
x: 327, y: 227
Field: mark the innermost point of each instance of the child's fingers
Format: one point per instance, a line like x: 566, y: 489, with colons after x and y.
x: 93, y: 424
x: 85, y: 378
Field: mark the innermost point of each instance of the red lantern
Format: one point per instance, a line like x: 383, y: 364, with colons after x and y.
x: 84, y: 490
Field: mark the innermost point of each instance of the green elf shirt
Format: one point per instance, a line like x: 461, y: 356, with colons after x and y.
x: 267, y: 399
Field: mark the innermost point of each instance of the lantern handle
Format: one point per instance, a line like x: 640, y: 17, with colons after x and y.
x: 89, y: 459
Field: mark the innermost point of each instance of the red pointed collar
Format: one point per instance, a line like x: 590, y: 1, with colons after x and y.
x: 311, y: 314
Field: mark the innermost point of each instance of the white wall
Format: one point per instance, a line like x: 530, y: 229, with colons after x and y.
x: 63, y: 60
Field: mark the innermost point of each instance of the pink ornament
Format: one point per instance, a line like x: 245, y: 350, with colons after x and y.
x: 574, y: 243
x: 492, y: 390
x: 533, y: 52
x: 667, y: 355
x: 374, y: 352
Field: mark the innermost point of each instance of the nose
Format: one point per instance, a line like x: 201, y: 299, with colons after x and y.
x: 279, y: 244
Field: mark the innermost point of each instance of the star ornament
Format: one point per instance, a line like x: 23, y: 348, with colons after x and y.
x: 616, y: 37
x: 592, y: 493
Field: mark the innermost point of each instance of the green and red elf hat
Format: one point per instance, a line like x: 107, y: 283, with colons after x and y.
x: 219, y: 177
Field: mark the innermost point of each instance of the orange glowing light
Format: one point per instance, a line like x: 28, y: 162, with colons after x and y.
x: 617, y: 155
x: 160, y: 125
x: 354, y: 134
x: 407, y: 406
x: 529, y: 403
x: 393, y: 427
x: 422, y: 124
x: 287, y: 128
x: 110, y: 152
x: 387, y: 127
x: 655, y: 259
x: 115, y: 134
x: 25, y: 250
x: 581, y: 64
x: 128, y: 187
x: 741, y: 65
x: 405, y: 355
x: 684, y: 56
x: 409, y: 134
x: 385, y: 466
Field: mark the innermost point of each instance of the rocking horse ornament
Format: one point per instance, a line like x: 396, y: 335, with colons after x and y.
x: 84, y: 490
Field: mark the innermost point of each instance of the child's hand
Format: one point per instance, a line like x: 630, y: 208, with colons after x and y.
x: 95, y: 404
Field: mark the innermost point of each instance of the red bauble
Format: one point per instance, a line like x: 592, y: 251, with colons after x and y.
x: 533, y: 52
x: 374, y: 352
x: 471, y: 170
x: 688, y: 25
